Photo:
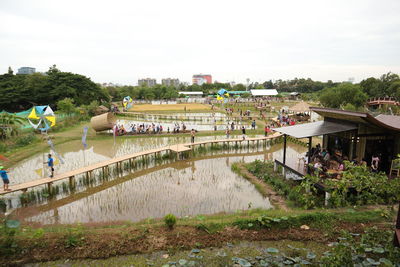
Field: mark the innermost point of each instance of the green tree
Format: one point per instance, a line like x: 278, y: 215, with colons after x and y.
x: 343, y: 94
x: 66, y: 106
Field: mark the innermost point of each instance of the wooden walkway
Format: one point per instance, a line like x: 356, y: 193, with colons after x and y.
x: 104, y: 165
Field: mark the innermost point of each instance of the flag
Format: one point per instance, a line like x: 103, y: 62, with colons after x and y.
x: 85, y: 130
x: 54, y: 151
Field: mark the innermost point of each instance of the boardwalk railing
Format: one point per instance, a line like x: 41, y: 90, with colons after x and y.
x: 118, y: 162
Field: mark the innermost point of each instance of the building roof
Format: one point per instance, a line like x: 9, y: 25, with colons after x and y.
x: 388, y: 122
x: 263, y: 92
x: 300, y: 107
x: 237, y: 92
x: 393, y: 121
x: 191, y: 93
x: 315, y: 129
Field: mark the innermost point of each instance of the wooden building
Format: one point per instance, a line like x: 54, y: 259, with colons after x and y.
x: 352, y: 135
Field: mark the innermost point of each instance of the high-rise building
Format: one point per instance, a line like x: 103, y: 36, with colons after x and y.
x: 26, y: 70
x: 170, y: 82
x: 149, y: 82
x: 201, y: 78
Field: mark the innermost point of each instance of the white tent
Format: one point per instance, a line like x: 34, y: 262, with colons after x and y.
x: 264, y: 92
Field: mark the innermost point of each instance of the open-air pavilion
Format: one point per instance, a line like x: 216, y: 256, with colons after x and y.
x: 350, y: 135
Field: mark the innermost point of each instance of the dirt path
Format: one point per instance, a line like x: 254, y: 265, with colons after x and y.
x: 264, y: 188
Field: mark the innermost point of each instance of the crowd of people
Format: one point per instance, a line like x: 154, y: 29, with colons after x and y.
x: 331, y: 164
x: 285, y: 120
x: 149, y: 128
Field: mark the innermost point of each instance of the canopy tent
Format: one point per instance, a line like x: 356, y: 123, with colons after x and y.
x: 300, y: 107
x: 315, y: 129
x: 264, y: 92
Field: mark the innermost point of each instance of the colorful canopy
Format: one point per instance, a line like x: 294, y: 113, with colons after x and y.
x: 42, y: 118
x: 127, y: 102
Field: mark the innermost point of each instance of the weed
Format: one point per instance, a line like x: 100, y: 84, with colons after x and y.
x: 170, y: 220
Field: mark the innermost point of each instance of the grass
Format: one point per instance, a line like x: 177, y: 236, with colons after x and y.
x: 105, y: 240
x: 171, y: 107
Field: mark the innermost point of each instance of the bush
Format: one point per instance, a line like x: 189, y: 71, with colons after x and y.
x: 66, y: 105
x: 170, y: 220
x: 25, y: 140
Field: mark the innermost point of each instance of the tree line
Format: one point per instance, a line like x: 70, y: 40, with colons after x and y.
x: 20, y: 92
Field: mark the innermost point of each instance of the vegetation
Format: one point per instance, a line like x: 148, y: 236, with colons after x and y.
x: 9, y: 124
x: 357, y: 186
x: 20, y: 244
x: 345, y: 95
x: 387, y: 85
x: 21, y: 92
x: 170, y: 220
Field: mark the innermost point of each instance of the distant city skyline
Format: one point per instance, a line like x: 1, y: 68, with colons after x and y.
x: 124, y: 41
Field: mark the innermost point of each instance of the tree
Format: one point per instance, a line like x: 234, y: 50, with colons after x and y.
x: 10, y: 124
x: 395, y: 88
x: 66, y: 106
x: 372, y: 87
x: 343, y: 94
x: 20, y: 92
x: 10, y: 71
x: 239, y: 87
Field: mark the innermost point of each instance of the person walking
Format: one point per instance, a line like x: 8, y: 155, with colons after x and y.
x: 228, y: 132
x: 4, y: 176
x: 192, y: 133
x: 253, y: 125
x: 50, y: 164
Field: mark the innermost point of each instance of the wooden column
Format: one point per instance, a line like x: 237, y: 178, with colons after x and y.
x: 309, y: 153
x: 284, y: 149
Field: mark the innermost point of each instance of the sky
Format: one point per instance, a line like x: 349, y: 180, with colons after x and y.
x: 121, y: 41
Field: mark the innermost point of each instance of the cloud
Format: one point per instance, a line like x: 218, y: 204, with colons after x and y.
x: 121, y: 41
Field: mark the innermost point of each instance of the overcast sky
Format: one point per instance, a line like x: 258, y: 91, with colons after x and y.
x: 121, y: 41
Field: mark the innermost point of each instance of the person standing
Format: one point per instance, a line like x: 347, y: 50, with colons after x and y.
x: 50, y: 164
x: 192, y: 133
x: 228, y: 132
x: 266, y: 130
x: 243, y: 132
x: 4, y: 176
x: 253, y: 125
x: 375, y: 163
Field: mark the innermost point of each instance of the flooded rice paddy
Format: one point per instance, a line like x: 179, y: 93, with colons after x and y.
x: 197, y: 121
x: 202, y: 185
x: 74, y: 156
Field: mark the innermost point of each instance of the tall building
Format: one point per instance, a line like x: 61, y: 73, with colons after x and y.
x: 149, y: 82
x: 201, y: 78
x: 26, y: 70
x: 170, y: 82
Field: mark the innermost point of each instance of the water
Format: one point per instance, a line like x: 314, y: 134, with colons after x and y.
x: 184, y: 188
x: 98, y: 150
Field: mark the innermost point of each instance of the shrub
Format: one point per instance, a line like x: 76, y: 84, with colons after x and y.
x: 170, y: 220
x: 25, y: 140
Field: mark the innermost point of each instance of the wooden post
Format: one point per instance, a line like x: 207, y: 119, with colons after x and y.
x: 284, y: 149
x: 71, y: 182
x: 309, y: 153
x: 49, y: 188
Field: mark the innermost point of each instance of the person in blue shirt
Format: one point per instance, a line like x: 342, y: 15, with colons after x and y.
x: 4, y: 176
x: 50, y: 164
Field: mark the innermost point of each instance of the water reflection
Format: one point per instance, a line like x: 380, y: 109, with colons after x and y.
x: 183, y: 188
x: 99, y: 150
